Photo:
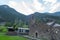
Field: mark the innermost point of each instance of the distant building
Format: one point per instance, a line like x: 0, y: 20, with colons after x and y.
x: 20, y: 31
x: 23, y: 31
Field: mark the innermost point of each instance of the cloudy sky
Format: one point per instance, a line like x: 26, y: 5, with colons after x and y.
x: 30, y: 6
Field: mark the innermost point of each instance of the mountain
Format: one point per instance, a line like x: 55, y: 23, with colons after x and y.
x: 56, y: 14
x: 9, y: 14
x: 45, y: 17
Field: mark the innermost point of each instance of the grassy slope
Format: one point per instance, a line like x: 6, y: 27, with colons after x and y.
x: 5, y: 37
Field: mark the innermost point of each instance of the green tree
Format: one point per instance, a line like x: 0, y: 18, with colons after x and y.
x: 8, y: 24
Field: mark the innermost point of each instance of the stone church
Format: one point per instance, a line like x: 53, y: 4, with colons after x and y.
x: 39, y: 29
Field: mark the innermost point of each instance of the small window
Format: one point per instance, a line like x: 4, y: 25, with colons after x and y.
x: 27, y: 31
x: 20, y: 30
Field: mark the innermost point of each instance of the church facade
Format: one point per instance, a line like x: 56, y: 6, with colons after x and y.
x: 40, y: 30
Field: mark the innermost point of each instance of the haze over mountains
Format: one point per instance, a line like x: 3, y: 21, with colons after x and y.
x: 9, y: 14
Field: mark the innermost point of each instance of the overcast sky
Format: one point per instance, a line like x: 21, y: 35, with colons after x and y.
x: 30, y: 6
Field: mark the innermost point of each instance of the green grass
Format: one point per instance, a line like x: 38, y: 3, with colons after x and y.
x: 6, y: 37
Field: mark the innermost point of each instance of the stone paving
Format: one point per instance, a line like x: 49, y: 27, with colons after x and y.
x: 31, y: 38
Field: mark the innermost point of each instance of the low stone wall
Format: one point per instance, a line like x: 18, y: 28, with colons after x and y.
x: 11, y: 33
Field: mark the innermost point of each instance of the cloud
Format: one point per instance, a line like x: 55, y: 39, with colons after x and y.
x: 52, y: 5
x: 21, y: 7
x: 55, y: 8
x: 12, y: 3
x: 27, y: 7
x: 38, y: 6
x: 50, y: 1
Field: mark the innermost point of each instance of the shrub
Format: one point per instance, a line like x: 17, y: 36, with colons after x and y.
x: 3, y: 29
